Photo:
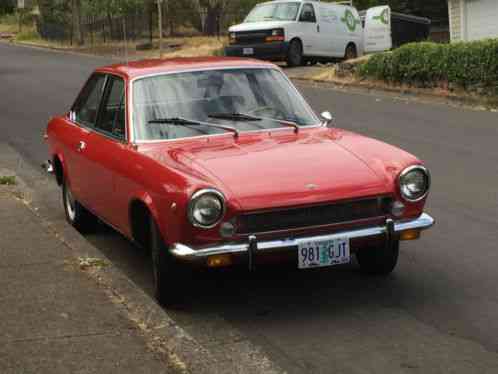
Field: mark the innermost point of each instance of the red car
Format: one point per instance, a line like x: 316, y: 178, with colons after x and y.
x: 218, y: 162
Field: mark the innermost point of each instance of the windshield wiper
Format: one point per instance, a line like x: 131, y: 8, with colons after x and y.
x: 235, y: 116
x: 189, y: 122
x: 247, y: 117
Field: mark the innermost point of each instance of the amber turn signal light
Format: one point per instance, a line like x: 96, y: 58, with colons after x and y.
x: 270, y: 39
x: 410, y: 235
x: 219, y: 261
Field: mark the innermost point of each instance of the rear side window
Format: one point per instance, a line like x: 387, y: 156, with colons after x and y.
x: 87, y: 105
x: 112, y: 115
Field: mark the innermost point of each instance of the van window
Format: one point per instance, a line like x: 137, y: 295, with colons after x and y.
x: 308, y: 14
x: 274, y: 12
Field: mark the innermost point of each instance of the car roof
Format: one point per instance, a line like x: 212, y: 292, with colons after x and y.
x: 137, y: 69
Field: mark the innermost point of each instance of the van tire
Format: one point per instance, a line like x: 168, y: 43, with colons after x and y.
x: 351, y: 52
x: 295, y: 54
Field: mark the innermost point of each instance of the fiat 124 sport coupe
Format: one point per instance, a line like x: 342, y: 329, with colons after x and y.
x: 218, y: 162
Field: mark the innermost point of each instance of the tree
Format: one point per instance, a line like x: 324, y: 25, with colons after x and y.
x: 433, y: 9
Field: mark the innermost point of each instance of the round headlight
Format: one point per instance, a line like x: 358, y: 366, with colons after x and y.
x: 206, y: 208
x: 414, y: 183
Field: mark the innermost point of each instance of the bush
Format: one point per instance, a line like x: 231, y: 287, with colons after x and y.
x: 472, y: 65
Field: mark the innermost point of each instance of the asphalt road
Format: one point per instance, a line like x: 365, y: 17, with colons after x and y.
x: 436, y: 314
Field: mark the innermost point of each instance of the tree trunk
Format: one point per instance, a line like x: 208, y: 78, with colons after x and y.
x: 212, y: 17
x: 77, y: 23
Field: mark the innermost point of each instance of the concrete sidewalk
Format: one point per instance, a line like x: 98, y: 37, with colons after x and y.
x: 53, y: 317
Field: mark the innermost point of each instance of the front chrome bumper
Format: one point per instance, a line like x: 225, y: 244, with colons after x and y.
x: 390, y: 230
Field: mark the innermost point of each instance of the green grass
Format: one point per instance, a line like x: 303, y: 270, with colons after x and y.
x: 27, y: 35
x: 8, y: 181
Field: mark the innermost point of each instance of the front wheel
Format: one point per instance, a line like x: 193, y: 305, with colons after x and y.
x: 295, y: 54
x: 77, y: 216
x: 170, y: 287
x: 379, y: 260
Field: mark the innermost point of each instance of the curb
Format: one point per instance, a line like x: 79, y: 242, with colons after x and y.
x: 178, y: 350
x: 467, y: 101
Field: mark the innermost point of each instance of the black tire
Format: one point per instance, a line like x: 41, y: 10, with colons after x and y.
x: 295, y: 54
x: 170, y: 278
x: 380, y: 260
x: 351, y: 52
x: 77, y: 216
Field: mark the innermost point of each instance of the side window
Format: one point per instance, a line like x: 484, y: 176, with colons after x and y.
x: 87, y: 105
x: 112, y: 115
x: 308, y: 14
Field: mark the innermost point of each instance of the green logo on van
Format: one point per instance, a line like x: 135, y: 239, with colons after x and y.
x: 383, y: 17
x: 350, y: 21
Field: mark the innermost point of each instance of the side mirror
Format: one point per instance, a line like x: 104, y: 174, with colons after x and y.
x: 327, y: 116
x: 72, y: 116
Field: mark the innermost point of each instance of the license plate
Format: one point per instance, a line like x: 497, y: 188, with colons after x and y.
x: 317, y: 254
x: 248, y: 51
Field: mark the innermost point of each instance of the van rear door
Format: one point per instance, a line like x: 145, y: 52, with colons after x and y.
x: 377, y: 32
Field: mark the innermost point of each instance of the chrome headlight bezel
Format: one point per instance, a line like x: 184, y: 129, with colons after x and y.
x: 406, y: 172
x: 198, y: 196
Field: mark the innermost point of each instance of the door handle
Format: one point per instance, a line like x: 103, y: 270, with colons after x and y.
x: 81, y: 146
x: 318, y: 28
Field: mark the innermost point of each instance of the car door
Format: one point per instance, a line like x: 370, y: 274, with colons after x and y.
x: 81, y: 121
x: 309, y: 30
x: 106, y: 154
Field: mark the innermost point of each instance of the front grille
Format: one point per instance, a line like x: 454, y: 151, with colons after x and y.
x: 320, y: 215
x: 251, y: 37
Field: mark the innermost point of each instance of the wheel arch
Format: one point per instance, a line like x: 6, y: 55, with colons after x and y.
x: 297, y: 39
x: 351, y: 43
x: 140, y: 210
x: 59, y: 168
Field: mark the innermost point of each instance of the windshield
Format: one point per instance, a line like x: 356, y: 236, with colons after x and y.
x: 274, y: 12
x: 213, y: 96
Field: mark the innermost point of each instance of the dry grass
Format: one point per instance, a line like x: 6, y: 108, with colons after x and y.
x: 190, y: 47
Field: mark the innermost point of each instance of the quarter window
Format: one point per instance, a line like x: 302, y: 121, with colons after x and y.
x: 87, y: 105
x: 112, y: 116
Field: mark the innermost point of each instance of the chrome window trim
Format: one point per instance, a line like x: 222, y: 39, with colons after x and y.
x: 193, y: 70
x: 408, y: 170
x: 94, y: 129
x: 196, y: 196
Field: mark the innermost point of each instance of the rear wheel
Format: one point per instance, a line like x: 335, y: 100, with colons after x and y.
x: 79, y: 217
x: 351, y: 52
x: 170, y: 278
x: 379, y: 260
x: 295, y: 54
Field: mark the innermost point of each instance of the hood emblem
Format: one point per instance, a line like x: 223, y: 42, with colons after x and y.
x: 311, y: 186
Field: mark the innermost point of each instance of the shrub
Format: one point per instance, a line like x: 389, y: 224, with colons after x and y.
x: 468, y: 65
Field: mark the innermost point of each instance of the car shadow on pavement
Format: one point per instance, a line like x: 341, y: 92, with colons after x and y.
x: 269, y: 289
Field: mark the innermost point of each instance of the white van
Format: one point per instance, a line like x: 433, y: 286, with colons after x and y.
x: 298, y: 31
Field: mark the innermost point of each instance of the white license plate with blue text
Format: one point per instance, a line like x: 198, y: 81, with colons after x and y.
x: 248, y: 51
x: 323, y: 253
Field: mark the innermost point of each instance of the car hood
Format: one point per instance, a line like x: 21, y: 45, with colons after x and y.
x: 261, y: 172
x: 257, y: 26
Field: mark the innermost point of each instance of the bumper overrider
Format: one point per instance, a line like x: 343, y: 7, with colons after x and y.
x: 268, y: 51
x: 391, y: 231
